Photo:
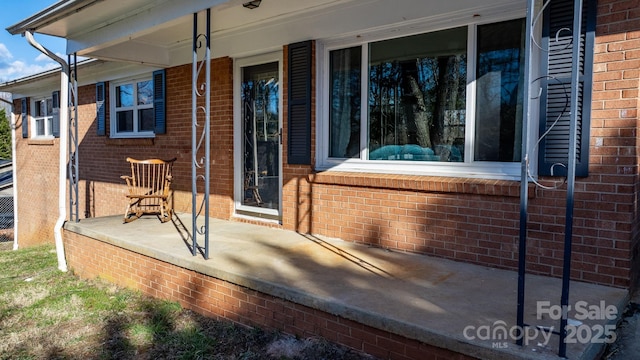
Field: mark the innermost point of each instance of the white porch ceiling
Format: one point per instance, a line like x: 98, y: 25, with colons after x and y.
x: 159, y: 32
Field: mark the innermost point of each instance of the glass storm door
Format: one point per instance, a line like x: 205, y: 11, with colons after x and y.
x: 260, y: 140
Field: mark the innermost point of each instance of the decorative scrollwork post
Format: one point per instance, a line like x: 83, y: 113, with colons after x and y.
x: 200, y: 132
x: 73, y: 169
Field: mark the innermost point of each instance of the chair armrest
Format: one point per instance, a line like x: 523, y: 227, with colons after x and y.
x: 128, y: 179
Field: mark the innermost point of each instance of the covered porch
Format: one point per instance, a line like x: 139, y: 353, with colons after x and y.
x: 387, y: 303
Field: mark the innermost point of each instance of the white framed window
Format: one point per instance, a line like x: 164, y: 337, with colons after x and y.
x: 42, y: 112
x: 131, y: 108
x: 445, y: 102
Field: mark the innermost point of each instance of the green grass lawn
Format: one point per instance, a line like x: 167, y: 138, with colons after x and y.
x: 48, y: 314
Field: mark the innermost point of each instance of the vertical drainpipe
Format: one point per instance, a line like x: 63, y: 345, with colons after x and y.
x: 12, y: 123
x: 14, y: 170
x: 64, y: 134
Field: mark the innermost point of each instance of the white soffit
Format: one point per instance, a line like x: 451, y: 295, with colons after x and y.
x: 169, y: 22
x: 160, y: 32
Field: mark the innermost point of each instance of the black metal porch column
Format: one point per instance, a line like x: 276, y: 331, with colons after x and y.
x: 73, y: 169
x: 571, y: 172
x: 200, y: 133
x: 574, y: 105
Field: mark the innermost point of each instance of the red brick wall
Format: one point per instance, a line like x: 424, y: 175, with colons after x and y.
x: 614, y: 141
x: 102, y: 160
x: 218, y: 299
x: 37, y: 185
x: 455, y: 218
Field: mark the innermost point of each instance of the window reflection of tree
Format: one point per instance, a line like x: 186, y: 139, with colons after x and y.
x: 125, y: 95
x: 416, y: 96
x: 250, y: 175
x: 260, y: 103
x: 409, y: 99
x: 344, y: 130
x: 145, y: 92
x: 500, y: 90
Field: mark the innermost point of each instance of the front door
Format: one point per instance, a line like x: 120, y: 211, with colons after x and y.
x: 258, y: 181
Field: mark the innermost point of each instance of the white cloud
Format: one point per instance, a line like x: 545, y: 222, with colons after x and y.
x: 4, y: 53
x: 14, y: 69
x: 44, y: 58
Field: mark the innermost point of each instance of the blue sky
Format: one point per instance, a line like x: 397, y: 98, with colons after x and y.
x: 17, y: 57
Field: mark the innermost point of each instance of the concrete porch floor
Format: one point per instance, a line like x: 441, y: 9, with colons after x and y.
x: 439, y: 302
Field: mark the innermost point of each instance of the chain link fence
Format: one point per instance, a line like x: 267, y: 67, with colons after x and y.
x: 6, y: 218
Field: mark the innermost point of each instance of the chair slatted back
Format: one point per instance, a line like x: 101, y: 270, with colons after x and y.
x: 149, y: 188
x: 150, y: 177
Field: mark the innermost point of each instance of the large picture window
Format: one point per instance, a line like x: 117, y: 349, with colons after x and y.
x: 426, y: 102
x: 132, y: 113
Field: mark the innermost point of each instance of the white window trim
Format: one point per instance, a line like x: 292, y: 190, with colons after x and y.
x: 33, y: 119
x: 486, y: 170
x: 112, y: 109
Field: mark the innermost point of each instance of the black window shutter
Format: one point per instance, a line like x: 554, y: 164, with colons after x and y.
x: 25, y: 118
x: 556, y: 88
x: 299, y: 104
x: 100, y: 109
x: 55, y: 119
x: 159, y: 103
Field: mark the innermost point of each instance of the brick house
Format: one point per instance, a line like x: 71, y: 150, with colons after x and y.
x: 308, y: 134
